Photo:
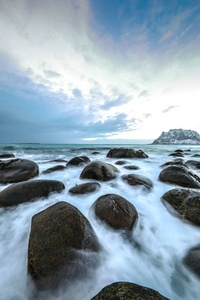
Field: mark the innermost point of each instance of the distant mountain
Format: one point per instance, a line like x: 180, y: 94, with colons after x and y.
x: 178, y: 137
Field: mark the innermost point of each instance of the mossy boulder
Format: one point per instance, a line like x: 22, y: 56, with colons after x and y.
x: 17, y: 170
x: 115, y: 211
x: 180, y: 175
x: 186, y: 202
x: 128, y: 291
x: 62, y: 246
x: 28, y: 191
x: 99, y: 170
x: 126, y: 153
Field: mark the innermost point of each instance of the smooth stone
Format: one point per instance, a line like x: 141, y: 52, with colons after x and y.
x: 78, y: 160
x: 126, y: 153
x: 99, y: 170
x: 85, y: 188
x: 135, y: 179
x: 53, y: 169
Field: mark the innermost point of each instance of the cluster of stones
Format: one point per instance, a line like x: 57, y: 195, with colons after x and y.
x: 63, y: 245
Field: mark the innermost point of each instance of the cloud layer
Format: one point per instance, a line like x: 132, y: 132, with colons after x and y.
x: 75, y: 70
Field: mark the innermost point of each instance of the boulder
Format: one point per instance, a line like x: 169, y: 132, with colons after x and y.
x: 115, y: 211
x: 6, y: 155
x: 28, y: 191
x: 95, y: 152
x: 180, y: 175
x: 192, y: 260
x: 17, y: 170
x: 127, y: 291
x: 131, y: 167
x: 99, y: 170
x: 85, y: 188
x: 196, y: 155
x: 179, y: 154
x: 53, y: 169
x: 177, y: 161
x: 121, y: 162
x: 58, y: 160
x: 193, y: 164
x: 62, y: 246
x: 78, y: 160
x: 126, y: 153
x: 135, y: 179
x: 186, y: 202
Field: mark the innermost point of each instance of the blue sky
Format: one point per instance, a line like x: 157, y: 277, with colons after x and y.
x: 98, y: 71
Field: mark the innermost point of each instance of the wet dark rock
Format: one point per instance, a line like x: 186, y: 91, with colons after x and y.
x: 196, y: 155
x: 131, y: 167
x: 6, y: 155
x: 126, y: 153
x: 17, y: 170
x: 78, y: 160
x: 62, y: 246
x: 121, y: 162
x: 179, y: 154
x: 53, y: 169
x: 115, y: 211
x: 180, y: 175
x: 135, y: 179
x: 178, y: 150
x: 58, y: 160
x: 193, y: 163
x: 127, y: 291
x: 28, y: 191
x: 177, y: 161
x: 186, y: 202
x: 192, y: 260
x: 99, y: 170
x: 95, y: 152
x: 85, y: 188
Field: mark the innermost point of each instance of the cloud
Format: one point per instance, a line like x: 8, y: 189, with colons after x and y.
x: 169, y: 108
x: 51, y: 74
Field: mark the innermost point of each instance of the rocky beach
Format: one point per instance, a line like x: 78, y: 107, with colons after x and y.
x: 99, y: 222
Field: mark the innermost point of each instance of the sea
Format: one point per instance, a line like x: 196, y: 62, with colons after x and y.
x: 163, y: 237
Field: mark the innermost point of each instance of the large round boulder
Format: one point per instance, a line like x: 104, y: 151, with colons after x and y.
x: 28, y: 191
x: 180, y: 175
x: 126, y: 153
x: 85, y: 188
x: 99, y: 170
x: 135, y: 179
x: 115, y: 211
x: 186, y: 202
x: 127, y: 291
x: 192, y: 260
x: 62, y: 246
x: 78, y: 160
x: 17, y: 170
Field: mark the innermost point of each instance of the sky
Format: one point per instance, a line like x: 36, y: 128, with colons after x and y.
x: 98, y: 71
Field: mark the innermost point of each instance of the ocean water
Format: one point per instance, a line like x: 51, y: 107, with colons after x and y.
x: 163, y: 238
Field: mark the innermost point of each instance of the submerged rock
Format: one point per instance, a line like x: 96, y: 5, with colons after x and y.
x: 127, y: 291
x: 99, y: 170
x: 135, y: 179
x: 53, y: 169
x: 177, y: 161
x: 28, y: 191
x: 179, y: 154
x: 131, y: 167
x: 17, y: 170
x: 115, y: 211
x: 85, y: 188
x: 6, y: 155
x: 193, y: 163
x: 121, y: 162
x: 62, y: 246
x: 180, y: 175
x: 126, y: 153
x: 78, y: 160
x: 192, y: 260
x: 186, y: 202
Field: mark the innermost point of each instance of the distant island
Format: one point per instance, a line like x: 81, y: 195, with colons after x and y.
x: 178, y: 137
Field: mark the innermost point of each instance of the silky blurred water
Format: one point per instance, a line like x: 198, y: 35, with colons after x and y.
x: 160, y: 240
